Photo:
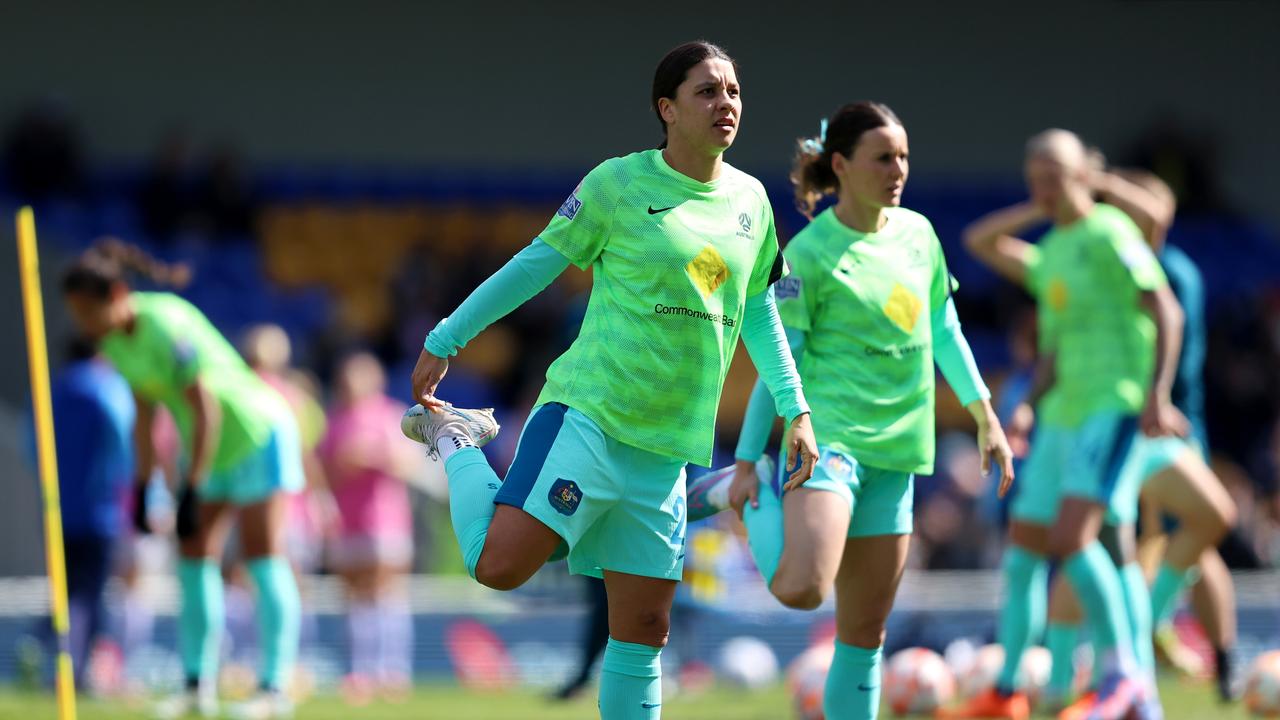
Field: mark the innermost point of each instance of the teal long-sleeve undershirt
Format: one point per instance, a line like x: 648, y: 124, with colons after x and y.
x: 951, y: 352
x: 954, y: 358
x: 766, y: 342
x: 525, y: 275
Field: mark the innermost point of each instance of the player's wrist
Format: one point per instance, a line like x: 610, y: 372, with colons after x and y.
x: 983, y: 414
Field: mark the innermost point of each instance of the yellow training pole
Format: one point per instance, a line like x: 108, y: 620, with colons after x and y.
x: 38, y: 359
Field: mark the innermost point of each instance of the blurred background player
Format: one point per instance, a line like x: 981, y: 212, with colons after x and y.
x: 1180, y: 493
x: 311, y: 516
x: 1097, y: 285
x: 683, y: 251
x: 267, y: 350
x: 94, y: 413
x: 368, y: 462
x: 242, y: 458
x: 867, y: 309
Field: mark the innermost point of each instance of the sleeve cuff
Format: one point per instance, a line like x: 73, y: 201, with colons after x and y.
x: 437, y: 343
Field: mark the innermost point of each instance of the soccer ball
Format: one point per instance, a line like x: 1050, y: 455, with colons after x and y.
x: 748, y: 662
x: 979, y: 671
x: 917, y: 680
x: 807, y: 679
x: 1262, y: 687
x: 1037, y: 663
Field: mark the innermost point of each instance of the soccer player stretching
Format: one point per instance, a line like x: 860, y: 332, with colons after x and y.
x: 683, y: 251
x: 867, y: 311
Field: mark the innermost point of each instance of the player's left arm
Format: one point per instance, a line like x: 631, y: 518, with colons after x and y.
x: 767, y: 344
x: 525, y: 275
x: 1138, y: 267
x: 954, y: 357
x: 206, y: 415
x: 1159, y: 416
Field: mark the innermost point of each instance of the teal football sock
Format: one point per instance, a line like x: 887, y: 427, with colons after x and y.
x: 1061, y: 640
x: 852, y: 691
x: 1168, y: 586
x: 765, y: 532
x: 201, y: 618
x: 1097, y: 583
x: 472, y: 487
x: 630, y: 682
x: 279, y: 619
x: 1137, y: 603
x: 1023, y: 615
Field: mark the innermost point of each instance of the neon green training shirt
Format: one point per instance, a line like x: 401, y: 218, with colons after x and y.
x: 673, y: 261
x: 1088, y: 278
x: 865, y: 302
x: 172, y: 345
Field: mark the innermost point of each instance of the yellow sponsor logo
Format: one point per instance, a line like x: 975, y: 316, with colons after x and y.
x: 1057, y: 294
x: 903, y: 308
x: 708, y: 271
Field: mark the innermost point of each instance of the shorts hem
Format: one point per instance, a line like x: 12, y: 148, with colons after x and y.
x: 598, y: 572
x: 863, y: 533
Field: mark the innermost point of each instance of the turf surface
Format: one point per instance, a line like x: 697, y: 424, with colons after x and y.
x: 429, y: 702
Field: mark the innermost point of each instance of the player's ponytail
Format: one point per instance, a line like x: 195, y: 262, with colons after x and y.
x: 811, y: 172
x: 111, y: 261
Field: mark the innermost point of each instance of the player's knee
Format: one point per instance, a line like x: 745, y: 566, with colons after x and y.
x: 648, y: 627
x: 1063, y: 544
x: 798, y: 595
x: 868, y: 633
x: 497, y: 572
x: 1222, y: 521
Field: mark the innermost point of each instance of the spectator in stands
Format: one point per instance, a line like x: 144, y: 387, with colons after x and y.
x: 164, y: 195
x: 42, y: 154
x: 224, y: 201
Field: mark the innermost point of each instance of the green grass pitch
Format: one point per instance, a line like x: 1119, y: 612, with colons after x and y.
x: 1182, y: 701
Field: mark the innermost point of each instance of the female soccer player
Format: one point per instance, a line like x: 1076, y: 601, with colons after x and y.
x: 683, y: 251
x: 241, y: 458
x: 1110, y: 331
x: 367, y: 463
x: 867, y: 311
x: 1175, y: 480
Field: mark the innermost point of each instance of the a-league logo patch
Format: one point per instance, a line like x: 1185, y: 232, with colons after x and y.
x: 565, y: 496
x: 787, y: 288
x: 837, y: 464
x: 570, y: 207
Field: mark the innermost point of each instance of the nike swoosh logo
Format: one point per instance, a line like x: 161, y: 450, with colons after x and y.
x: 866, y: 688
x: 650, y: 706
x: 660, y: 210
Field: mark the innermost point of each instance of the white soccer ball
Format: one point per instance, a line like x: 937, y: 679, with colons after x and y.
x: 807, y: 679
x: 980, y: 671
x: 1262, y: 685
x: 748, y: 662
x: 1037, y: 664
x: 917, y: 680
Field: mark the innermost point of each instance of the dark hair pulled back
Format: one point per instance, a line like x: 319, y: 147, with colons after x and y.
x: 674, y: 69
x: 811, y: 172
x: 110, y: 261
